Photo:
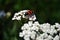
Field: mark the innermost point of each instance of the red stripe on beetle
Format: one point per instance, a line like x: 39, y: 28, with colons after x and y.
x: 29, y: 12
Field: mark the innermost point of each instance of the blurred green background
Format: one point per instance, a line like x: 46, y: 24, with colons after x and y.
x: 45, y: 11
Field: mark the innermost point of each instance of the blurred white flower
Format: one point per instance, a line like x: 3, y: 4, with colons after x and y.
x: 13, y: 18
x: 23, y: 16
x: 32, y: 36
x: 50, y: 37
x: 8, y: 14
x: 18, y: 18
x: 21, y: 34
x: 57, y: 25
x: 56, y: 37
x: 26, y: 37
x: 55, y: 31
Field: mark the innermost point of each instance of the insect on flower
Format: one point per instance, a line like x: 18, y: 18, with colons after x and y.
x: 30, y: 15
x: 27, y: 14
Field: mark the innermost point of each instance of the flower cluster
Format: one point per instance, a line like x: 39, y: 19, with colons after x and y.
x: 35, y: 31
x: 21, y: 14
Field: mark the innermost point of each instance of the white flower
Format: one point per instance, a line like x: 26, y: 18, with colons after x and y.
x: 44, y: 35
x: 26, y: 27
x: 16, y: 14
x: 45, y: 27
x: 35, y: 28
x: 28, y: 32
x: 53, y: 27
x: 37, y: 23
x: 13, y: 18
x: 51, y: 32
x: 33, y: 18
x: 50, y: 37
x: 18, y: 18
x: 23, y: 16
x: 55, y: 31
x: 30, y: 18
x: 39, y: 38
x: 24, y: 32
x: 33, y: 31
x: 26, y: 37
x: 32, y: 36
x: 21, y: 34
x: 56, y: 37
x: 30, y: 23
x: 57, y: 25
x: 58, y: 29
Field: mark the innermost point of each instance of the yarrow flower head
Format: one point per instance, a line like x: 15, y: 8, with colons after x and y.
x: 27, y: 14
x: 35, y: 31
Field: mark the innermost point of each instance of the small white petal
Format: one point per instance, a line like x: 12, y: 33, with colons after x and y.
x: 23, y: 16
x: 18, y: 18
x: 56, y: 37
x: 21, y: 34
x: 13, y: 18
x: 50, y: 37
x: 30, y: 23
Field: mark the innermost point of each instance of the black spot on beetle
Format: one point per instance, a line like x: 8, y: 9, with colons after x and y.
x: 26, y: 14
